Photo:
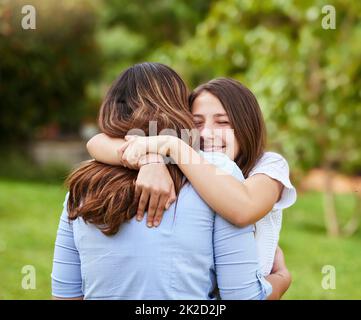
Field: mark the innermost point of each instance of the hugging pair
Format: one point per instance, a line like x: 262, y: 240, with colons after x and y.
x: 204, y: 225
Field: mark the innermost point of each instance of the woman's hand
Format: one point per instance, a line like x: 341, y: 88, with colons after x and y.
x: 155, y: 189
x: 280, y: 277
x: 279, y: 263
x: 154, y: 185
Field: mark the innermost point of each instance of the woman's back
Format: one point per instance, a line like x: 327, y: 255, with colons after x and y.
x: 172, y: 261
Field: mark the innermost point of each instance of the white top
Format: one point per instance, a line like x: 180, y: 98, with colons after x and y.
x: 268, y: 228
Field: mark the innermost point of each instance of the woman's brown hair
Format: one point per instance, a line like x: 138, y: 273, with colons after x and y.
x: 245, y: 116
x: 103, y: 194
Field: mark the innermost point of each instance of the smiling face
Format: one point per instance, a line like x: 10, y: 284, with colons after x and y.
x: 230, y: 120
x: 213, y: 123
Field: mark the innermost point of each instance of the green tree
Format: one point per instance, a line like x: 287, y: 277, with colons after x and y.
x: 44, y: 72
x: 307, y: 78
x: 130, y: 31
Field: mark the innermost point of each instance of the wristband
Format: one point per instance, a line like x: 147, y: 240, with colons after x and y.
x: 150, y: 158
x: 152, y: 162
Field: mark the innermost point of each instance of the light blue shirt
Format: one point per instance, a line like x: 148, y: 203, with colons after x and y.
x: 186, y: 257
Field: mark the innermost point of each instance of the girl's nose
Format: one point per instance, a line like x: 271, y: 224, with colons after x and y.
x: 207, y: 133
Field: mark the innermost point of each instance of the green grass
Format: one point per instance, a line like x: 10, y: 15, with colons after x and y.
x: 308, y: 249
x: 29, y: 215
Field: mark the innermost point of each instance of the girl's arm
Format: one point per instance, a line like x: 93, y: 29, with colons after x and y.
x: 255, y: 196
x: 104, y: 149
x: 226, y: 195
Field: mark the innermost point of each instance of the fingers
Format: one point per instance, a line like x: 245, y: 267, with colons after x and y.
x: 171, y: 198
x: 133, y: 152
x: 279, y: 254
x: 130, y: 137
x: 137, y: 192
x: 153, y: 204
x: 124, y: 146
x: 130, y: 157
x: 120, y: 153
x: 164, y: 203
x: 143, y: 202
x: 279, y: 263
x: 160, y: 210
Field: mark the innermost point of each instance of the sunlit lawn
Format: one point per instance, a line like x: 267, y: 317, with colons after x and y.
x: 29, y: 214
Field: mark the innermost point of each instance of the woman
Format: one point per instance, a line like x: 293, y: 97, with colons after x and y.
x: 99, y: 256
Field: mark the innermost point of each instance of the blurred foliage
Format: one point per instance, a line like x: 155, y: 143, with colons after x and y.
x: 131, y: 30
x: 44, y: 72
x: 306, y: 78
x: 19, y: 166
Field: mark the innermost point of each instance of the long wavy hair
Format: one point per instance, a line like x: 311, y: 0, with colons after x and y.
x: 103, y: 194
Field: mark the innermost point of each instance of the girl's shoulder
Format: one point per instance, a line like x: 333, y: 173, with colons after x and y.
x: 276, y: 167
x: 271, y: 162
x: 272, y: 158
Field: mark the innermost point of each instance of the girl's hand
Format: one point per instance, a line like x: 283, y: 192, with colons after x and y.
x: 279, y: 264
x: 155, y: 189
x: 136, y: 147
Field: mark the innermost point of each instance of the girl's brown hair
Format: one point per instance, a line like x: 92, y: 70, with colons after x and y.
x: 104, y: 194
x: 245, y: 116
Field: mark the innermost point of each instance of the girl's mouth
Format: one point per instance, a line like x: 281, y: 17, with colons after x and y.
x: 214, y: 149
x: 211, y: 146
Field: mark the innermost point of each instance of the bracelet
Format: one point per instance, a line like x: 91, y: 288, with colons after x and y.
x: 152, y: 162
x: 150, y: 158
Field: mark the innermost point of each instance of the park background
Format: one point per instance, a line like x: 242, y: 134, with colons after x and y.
x: 306, y: 76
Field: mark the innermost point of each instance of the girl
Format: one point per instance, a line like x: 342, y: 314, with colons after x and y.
x: 230, y: 121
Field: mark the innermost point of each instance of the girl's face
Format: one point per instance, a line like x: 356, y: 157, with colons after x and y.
x: 210, y: 118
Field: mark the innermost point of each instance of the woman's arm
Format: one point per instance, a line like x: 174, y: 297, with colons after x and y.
x: 256, y: 196
x: 77, y: 298
x: 237, y: 268
x: 66, y: 273
x: 236, y: 264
